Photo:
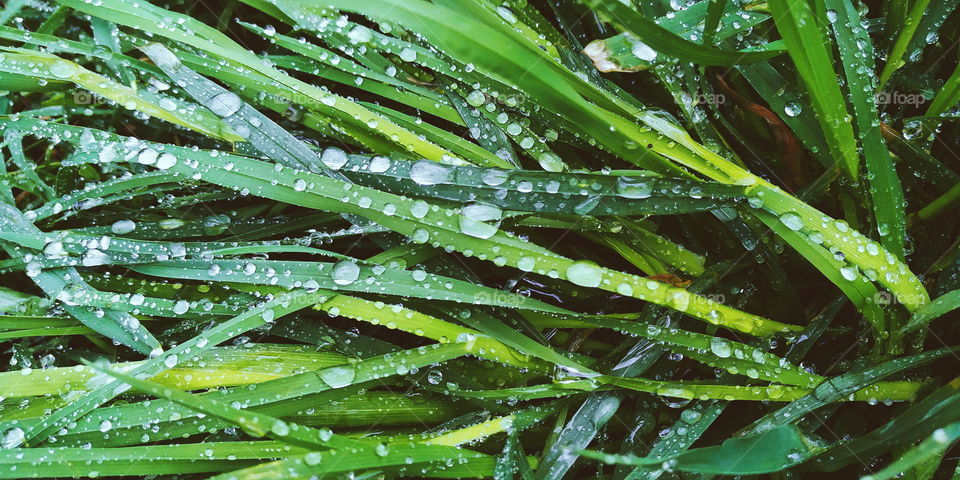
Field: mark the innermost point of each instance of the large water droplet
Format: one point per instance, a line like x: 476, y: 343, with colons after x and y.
x: 338, y: 377
x: 334, y: 158
x: 224, y: 104
x: 720, y: 347
x: 165, y: 161
x: 408, y: 54
x: 62, y: 68
x: 426, y: 172
x: 634, y: 187
x: 585, y: 273
x: 93, y: 258
x: 476, y: 98
x: 345, y: 272
x: 792, y: 109
x: 792, y: 220
x: 474, y: 228
x: 643, y: 51
x: 121, y: 227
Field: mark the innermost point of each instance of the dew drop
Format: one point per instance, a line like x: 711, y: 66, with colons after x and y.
x: 585, y: 273
x: 334, y: 158
x: 792, y: 221
x: 345, y: 272
x: 426, y: 172
x: 338, y: 377
x: 224, y: 104
x: 121, y: 227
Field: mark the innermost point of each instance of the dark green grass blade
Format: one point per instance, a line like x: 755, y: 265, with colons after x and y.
x: 937, y: 308
x: 771, y: 451
x: 662, y: 40
x: 103, y: 391
x: 809, y: 49
x: 886, y: 194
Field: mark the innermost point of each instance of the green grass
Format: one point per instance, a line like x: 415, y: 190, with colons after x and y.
x: 464, y: 239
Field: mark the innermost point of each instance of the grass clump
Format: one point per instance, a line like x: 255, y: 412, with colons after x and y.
x: 464, y: 238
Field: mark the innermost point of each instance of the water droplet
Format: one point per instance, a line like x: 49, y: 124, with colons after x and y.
x: 334, y: 158
x: 720, y: 347
x: 420, y: 236
x: 526, y: 264
x: 345, y: 272
x: 379, y: 164
x: 476, y: 98
x: 849, y: 273
x: 360, y: 34
x: 280, y: 427
x: 792, y: 109
x: 475, y: 228
x: 585, y: 273
x: 792, y: 221
x: 419, y: 209
x: 13, y: 438
x: 63, y: 68
x: 165, y: 161
x: 224, y: 104
x: 690, y: 416
x: 181, y: 307
x: 643, y: 51
x: 426, y: 172
x: 93, y: 258
x: 494, y: 177
x: 121, y: 227
x: 634, y: 187
x: 338, y: 377
x: 55, y: 249
x: 171, y: 360
x: 408, y: 54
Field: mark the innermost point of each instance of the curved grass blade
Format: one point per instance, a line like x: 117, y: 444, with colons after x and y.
x: 117, y: 326
x: 423, y: 222
x: 808, y: 46
x: 937, y: 308
x: 363, y: 453
x: 904, y: 36
x: 917, y: 421
x: 211, y: 457
x: 102, y: 390
x: 188, y: 30
x: 664, y: 41
x: 933, y: 446
x: 53, y: 67
x: 886, y: 193
x: 767, y: 452
x: 837, y: 388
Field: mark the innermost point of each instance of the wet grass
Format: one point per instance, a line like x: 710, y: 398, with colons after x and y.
x: 461, y: 239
